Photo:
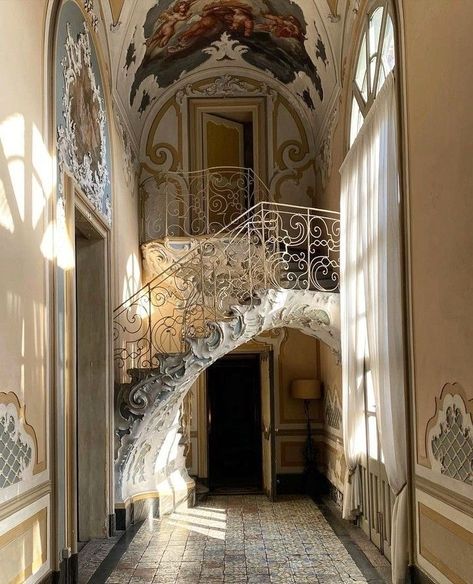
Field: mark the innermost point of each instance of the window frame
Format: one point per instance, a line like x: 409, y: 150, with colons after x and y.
x: 355, y: 94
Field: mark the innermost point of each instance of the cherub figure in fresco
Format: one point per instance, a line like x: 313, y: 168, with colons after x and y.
x: 287, y: 27
x: 242, y: 21
x: 167, y: 25
x: 231, y: 15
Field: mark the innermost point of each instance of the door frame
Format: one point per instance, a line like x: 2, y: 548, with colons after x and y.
x: 93, y: 231
x: 199, y: 106
x: 265, y: 352
x: 235, y: 356
x: 75, y: 203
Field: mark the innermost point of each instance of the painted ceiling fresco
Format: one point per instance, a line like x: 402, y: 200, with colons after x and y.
x: 177, y: 33
x: 155, y: 44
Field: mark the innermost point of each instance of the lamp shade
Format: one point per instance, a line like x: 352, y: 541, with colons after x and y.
x: 305, y: 389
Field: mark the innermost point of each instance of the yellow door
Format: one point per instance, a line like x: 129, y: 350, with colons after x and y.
x: 225, y: 187
x: 223, y: 142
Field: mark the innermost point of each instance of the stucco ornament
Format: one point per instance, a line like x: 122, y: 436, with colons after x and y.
x: 130, y: 158
x: 82, y: 139
x: 324, y: 157
x: 89, y: 8
x: 147, y: 407
x: 16, y: 448
x: 450, y: 438
x: 225, y: 48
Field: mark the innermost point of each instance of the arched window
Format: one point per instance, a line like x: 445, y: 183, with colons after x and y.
x: 375, y: 59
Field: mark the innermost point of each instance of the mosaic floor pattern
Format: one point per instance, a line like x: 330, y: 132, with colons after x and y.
x: 238, y: 539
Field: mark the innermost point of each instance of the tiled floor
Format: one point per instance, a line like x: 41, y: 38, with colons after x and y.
x: 238, y: 539
x: 92, y: 555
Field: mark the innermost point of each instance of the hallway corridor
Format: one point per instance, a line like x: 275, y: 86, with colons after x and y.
x: 237, y: 539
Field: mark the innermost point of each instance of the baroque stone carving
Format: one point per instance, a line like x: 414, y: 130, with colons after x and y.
x: 82, y: 144
x: 17, y: 446
x: 147, y: 406
x: 450, y: 436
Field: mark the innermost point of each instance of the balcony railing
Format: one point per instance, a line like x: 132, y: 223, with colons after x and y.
x: 189, y: 204
x: 269, y: 246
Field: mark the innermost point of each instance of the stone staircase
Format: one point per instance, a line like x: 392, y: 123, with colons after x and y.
x: 273, y: 266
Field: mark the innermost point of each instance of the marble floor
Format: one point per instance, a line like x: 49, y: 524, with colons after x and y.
x: 236, y: 539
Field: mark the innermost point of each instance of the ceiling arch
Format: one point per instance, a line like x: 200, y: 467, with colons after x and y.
x: 154, y: 43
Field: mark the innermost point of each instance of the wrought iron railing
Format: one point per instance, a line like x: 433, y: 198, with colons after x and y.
x: 203, y: 202
x: 269, y: 246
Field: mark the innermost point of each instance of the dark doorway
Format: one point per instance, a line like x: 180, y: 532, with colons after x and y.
x: 91, y: 381
x: 234, y: 424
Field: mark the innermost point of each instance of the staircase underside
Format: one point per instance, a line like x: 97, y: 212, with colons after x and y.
x: 149, y: 458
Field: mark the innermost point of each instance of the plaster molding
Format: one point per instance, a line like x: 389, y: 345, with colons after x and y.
x: 449, y: 435
x: 130, y: 157
x: 224, y: 85
x: 77, y: 69
x: 324, y: 156
x: 147, y: 408
x: 225, y: 48
x: 18, y: 443
x: 94, y: 19
x: 290, y: 161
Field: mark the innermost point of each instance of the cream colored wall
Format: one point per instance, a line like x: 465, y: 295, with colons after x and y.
x: 439, y: 134
x: 25, y: 189
x: 298, y: 359
x: 126, y: 254
x: 25, y: 194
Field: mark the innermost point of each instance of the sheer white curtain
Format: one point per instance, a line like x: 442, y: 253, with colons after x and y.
x: 353, y: 334
x: 370, y: 182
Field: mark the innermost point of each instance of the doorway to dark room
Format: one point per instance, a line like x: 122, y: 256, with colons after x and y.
x: 234, y: 424
x: 92, y: 380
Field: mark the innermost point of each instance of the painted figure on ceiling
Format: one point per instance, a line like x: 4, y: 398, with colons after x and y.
x: 283, y: 26
x: 166, y: 25
x: 231, y: 16
x: 177, y: 32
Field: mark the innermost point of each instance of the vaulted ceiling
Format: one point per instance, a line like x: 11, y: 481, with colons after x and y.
x: 155, y: 43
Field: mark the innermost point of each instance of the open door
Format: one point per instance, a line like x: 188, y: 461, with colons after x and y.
x: 223, y: 142
x: 267, y: 426
x: 233, y: 425
x: 225, y: 190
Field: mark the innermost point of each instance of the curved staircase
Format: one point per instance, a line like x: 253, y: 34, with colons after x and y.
x: 274, y: 265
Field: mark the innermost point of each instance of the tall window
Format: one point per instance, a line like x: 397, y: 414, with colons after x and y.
x: 371, y: 295
x: 376, y: 58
